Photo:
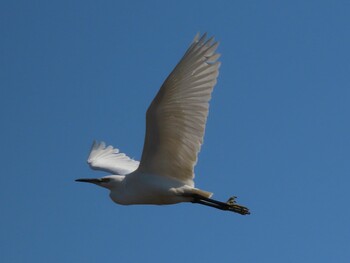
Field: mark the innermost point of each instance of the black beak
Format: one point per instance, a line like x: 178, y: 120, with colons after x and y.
x: 90, y: 180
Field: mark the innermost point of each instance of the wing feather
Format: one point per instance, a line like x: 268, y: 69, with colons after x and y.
x: 110, y: 160
x: 176, y: 118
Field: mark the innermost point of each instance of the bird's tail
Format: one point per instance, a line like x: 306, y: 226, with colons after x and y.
x: 201, y: 192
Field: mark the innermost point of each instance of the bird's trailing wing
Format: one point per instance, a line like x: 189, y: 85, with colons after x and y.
x: 176, y: 118
x: 109, y: 159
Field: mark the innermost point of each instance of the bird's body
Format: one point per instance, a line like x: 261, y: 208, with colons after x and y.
x: 175, y: 124
x: 149, y: 189
x: 137, y: 187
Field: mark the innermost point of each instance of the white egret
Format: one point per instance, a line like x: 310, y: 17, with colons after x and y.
x: 175, y: 124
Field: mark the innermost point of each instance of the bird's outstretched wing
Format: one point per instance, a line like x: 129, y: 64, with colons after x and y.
x: 176, y: 118
x: 109, y: 159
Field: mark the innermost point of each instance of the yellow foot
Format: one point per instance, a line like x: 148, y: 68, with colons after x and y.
x: 234, y: 207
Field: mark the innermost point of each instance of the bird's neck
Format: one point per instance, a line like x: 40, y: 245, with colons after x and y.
x: 117, y: 182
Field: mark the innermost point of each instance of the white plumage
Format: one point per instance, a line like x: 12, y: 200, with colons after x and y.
x: 175, y: 124
x: 110, y: 160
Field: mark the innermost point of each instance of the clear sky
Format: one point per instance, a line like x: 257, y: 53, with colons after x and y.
x: 278, y: 133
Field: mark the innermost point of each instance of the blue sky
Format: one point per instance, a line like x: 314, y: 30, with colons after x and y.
x: 278, y: 133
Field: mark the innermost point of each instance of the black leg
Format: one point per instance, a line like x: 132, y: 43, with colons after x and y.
x: 203, y: 202
x: 230, y: 205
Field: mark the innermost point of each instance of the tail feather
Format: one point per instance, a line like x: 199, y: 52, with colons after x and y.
x: 202, y: 192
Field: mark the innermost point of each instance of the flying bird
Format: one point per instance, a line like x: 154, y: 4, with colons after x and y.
x: 175, y: 124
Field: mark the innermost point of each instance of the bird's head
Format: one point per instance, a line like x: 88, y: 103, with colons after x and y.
x: 108, y: 182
